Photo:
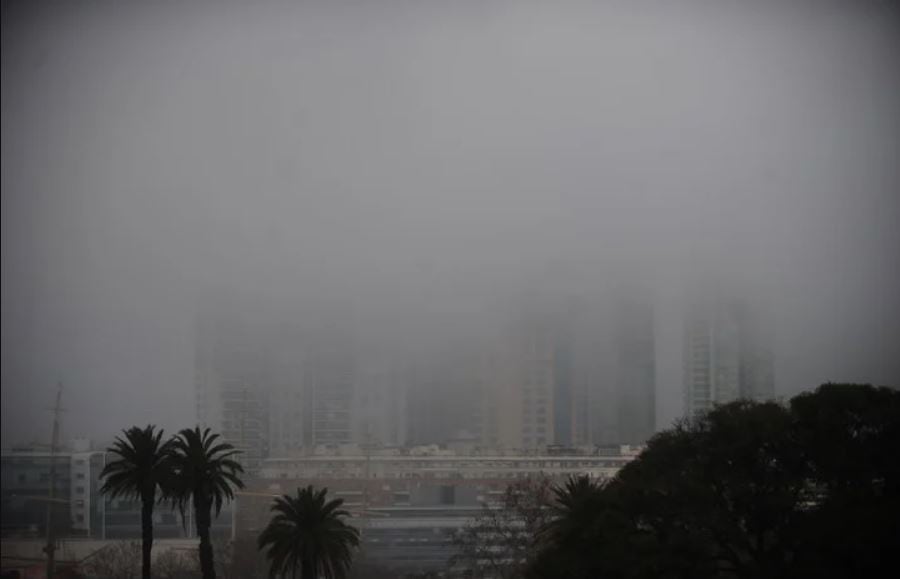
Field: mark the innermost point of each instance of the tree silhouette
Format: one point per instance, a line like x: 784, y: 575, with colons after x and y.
x: 576, y: 505
x: 116, y: 560
x: 309, y: 533
x: 499, y: 542
x: 141, y: 467
x: 850, y: 439
x: 749, y: 489
x: 174, y: 564
x: 204, y: 473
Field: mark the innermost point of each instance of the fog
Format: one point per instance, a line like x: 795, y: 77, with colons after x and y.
x: 420, y: 170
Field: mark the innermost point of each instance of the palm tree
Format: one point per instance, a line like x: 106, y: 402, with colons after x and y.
x: 140, y: 468
x: 578, y: 522
x: 205, y: 474
x: 309, y: 533
x: 576, y: 505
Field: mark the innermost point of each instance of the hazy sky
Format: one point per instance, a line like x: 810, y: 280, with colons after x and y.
x: 419, y: 161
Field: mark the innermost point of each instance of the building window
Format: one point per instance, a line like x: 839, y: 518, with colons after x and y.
x: 79, y: 490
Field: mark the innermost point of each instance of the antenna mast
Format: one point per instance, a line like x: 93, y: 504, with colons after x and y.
x: 50, y: 548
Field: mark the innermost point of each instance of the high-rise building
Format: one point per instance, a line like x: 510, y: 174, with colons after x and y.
x: 232, y: 385
x: 563, y: 376
x: 329, y: 376
x: 575, y: 372
x: 528, y: 377
x: 312, y: 380
x: 288, y: 395
x: 635, y: 370
x: 614, y: 370
x: 379, y: 401
x: 275, y: 387
x: 727, y: 354
x: 444, y: 393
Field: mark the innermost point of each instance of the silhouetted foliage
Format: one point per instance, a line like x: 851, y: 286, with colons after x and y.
x: 499, y: 542
x: 204, y: 474
x: 174, y: 564
x: 747, y: 490
x: 308, y: 532
x: 141, y: 467
x: 850, y: 439
x: 118, y: 560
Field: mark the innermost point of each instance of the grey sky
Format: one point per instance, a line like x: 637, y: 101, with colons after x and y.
x: 420, y: 160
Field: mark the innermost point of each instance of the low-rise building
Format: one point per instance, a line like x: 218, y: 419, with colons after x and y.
x: 64, y: 485
x: 76, y: 506
x: 409, y: 503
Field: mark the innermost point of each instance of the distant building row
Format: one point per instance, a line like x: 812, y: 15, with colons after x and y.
x: 570, y: 374
x: 546, y: 378
x: 386, y: 477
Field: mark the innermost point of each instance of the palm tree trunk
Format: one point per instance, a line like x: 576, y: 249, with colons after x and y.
x: 202, y: 512
x: 146, y: 533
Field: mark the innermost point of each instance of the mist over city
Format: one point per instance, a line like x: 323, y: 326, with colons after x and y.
x: 465, y: 229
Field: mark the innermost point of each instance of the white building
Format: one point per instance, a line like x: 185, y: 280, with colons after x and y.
x: 727, y: 354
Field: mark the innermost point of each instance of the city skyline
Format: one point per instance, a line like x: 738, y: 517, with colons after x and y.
x: 454, y: 264
x: 554, y: 373
x: 413, y: 181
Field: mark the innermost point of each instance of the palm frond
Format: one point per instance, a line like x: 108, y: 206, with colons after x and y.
x: 203, y: 470
x: 308, y: 528
x: 139, y: 466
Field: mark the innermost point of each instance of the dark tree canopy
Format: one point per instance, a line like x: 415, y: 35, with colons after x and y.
x: 750, y: 489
